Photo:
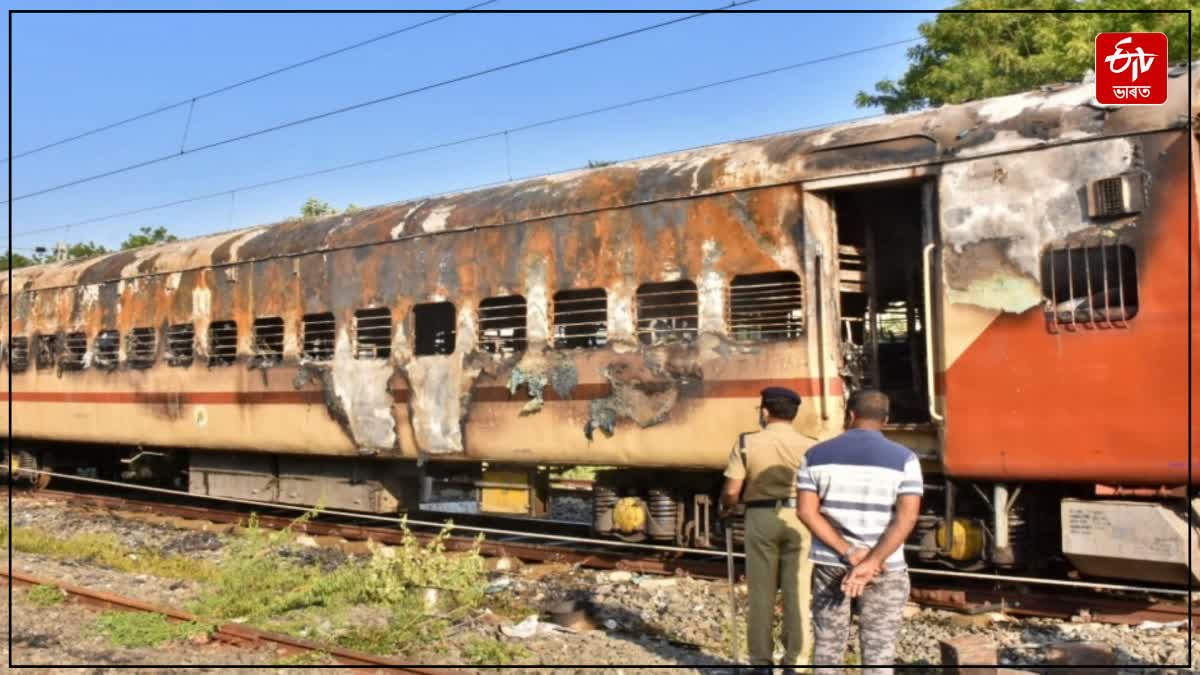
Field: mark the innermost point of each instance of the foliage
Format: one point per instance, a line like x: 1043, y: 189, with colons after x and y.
x: 85, y: 250
x: 597, y: 163
x: 582, y: 472
x: 973, y: 56
x: 146, y: 236
x: 16, y: 260
x: 106, y: 550
x: 493, y: 652
x: 44, y: 595
x: 74, y: 251
x: 315, y: 208
x: 257, y: 585
x: 352, y: 208
x: 304, y: 659
x: 145, y: 629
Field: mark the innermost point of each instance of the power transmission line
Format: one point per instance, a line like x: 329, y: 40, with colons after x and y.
x: 371, y: 102
x: 191, y: 100
x: 474, y: 138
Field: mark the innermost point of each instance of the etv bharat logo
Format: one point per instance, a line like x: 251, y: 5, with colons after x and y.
x: 1131, y: 68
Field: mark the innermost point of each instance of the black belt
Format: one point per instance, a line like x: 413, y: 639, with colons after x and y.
x: 770, y: 503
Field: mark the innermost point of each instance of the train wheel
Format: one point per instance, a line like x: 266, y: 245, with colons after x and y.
x: 24, y: 463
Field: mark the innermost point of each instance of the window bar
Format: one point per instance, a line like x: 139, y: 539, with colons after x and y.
x: 1087, y: 275
x: 1104, y: 276
x: 1121, y: 286
x: 1071, y: 286
x: 1052, y: 324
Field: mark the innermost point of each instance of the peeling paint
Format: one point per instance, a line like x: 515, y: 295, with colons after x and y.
x: 538, y: 368
x: 360, y: 389
x: 999, y: 214
x: 637, y: 394
x: 436, y: 220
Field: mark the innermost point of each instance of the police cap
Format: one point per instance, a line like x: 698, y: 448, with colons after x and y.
x: 781, y: 392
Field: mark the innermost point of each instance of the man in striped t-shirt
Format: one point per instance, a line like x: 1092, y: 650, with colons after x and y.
x: 859, y: 494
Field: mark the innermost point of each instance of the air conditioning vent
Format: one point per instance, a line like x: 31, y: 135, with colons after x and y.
x: 1116, y: 196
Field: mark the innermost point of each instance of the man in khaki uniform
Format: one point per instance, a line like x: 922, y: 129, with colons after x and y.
x: 765, y: 463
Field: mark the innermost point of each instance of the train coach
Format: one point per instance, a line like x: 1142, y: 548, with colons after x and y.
x: 1013, y: 272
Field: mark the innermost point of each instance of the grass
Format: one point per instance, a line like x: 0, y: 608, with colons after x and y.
x: 492, y: 652
x: 45, y: 596
x: 304, y: 659
x: 257, y: 586
x: 145, y: 629
x: 108, y: 551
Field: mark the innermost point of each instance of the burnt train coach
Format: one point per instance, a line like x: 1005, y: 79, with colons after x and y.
x: 1012, y: 272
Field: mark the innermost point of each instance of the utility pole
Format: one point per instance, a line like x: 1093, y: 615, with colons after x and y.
x: 60, y: 251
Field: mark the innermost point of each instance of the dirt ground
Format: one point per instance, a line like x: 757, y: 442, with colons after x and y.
x: 676, y: 622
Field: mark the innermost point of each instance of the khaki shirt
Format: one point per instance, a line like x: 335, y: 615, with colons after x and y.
x: 774, y: 455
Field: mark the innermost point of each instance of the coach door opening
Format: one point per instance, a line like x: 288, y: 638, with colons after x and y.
x: 881, y: 294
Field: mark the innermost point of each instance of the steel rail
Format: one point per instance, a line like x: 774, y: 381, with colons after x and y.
x: 1049, y: 600
x: 537, y: 552
x: 393, y: 520
x: 230, y: 633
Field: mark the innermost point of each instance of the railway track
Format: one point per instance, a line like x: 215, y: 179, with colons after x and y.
x: 964, y: 592
x: 231, y: 634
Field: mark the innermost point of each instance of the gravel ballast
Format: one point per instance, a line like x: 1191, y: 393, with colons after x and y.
x: 642, y: 620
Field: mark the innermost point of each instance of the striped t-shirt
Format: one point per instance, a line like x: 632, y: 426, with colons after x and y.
x: 858, y: 476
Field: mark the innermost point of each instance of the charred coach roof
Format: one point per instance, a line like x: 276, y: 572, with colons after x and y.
x: 1051, y: 115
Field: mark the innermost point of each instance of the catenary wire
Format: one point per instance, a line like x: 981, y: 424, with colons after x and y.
x: 375, y: 101
x: 241, y: 83
x: 471, y: 139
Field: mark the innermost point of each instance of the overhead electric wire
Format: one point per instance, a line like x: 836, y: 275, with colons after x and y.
x: 376, y: 101
x: 191, y: 100
x: 471, y: 139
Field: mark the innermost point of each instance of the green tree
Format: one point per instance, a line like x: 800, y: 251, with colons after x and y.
x: 15, y: 260
x: 967, y: 57
x: 315, y: 208
x: 597, y: 163
x: 147, y: 236
x: 85, y: 250
x: 352, y: 208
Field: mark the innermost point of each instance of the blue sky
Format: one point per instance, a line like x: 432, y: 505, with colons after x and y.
x: 72, y: 72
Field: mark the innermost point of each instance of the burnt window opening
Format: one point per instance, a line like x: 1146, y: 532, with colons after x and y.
x: 141, y: 347
x: 319, y: 335
x: 268, y: 340
x: 502, y: 325
x: 107, y: 351
x: 222, y: 343
x: 581, y: 318
x: 767, y: 306
x: 181, y: 344
x: 373, y: 333
x: 667, y: 312
x: 1090, y: 285
x: 435, y: 328
x: 46, y: 354
x: 18, y: 354
x: 74, y: 354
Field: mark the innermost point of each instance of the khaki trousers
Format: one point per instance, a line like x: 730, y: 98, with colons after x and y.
x: 777, y: 548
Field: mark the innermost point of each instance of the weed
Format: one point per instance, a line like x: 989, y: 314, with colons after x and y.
x: 45, y: 595
x: 508, y: 606
x: 107, y: 550
x: 145, y: 629
x: 304, y: 659
x: 492, y: 652
x: 256, y: 585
